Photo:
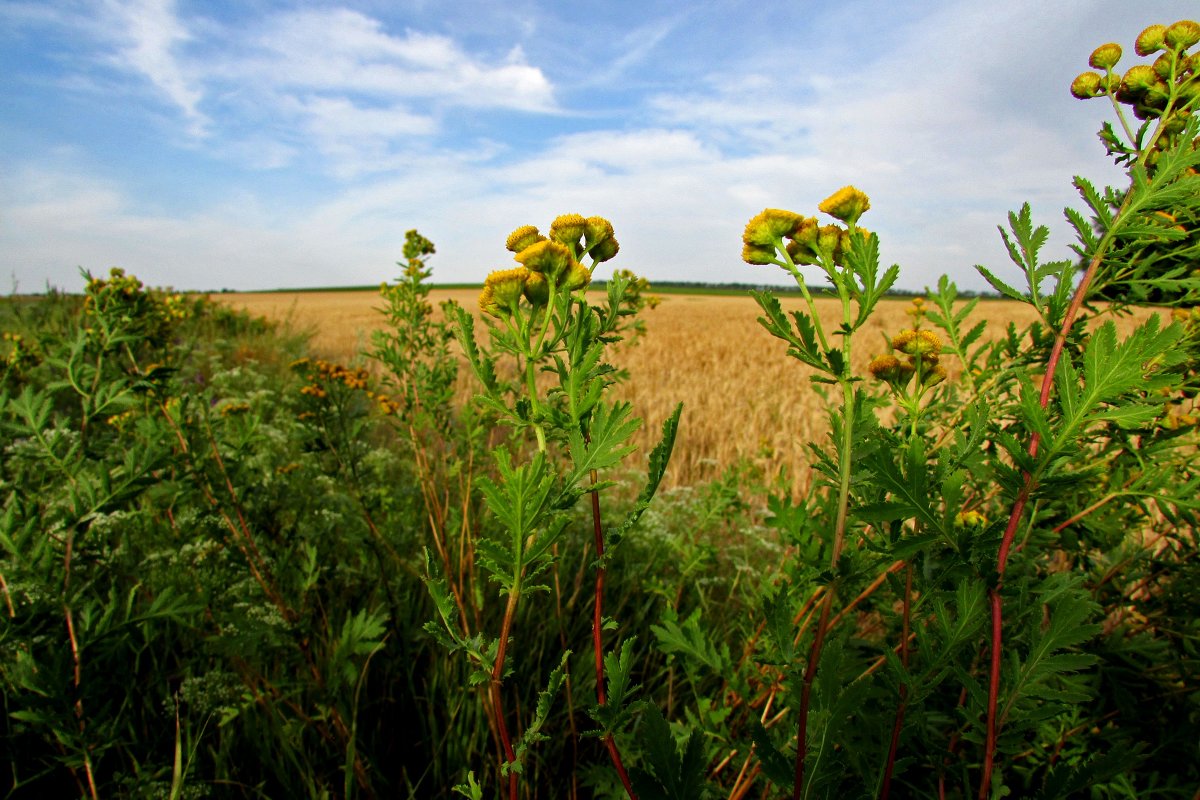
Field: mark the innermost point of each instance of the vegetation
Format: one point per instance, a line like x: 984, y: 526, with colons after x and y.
x: 231, y: 568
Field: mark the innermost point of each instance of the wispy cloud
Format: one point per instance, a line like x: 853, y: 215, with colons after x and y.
x: 148, y: 33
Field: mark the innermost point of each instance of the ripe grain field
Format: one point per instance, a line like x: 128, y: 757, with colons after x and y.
x: 745, y: 402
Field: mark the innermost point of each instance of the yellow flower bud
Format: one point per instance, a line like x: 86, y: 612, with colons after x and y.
x: 1138, y: 80
x: 829, y: 241
x: 770, y: 226
x: 537, y: 289
x: 1105, y: 56
x: 1182, y: 34
x: 885, y: 367
x: 846, y: 204
x: 1150, y: 40
x: 579, y: 277
x: 800, y: 252
x: 758, y: 254
x: 934, y: 376
x: 506, y: 287
x: 568, y: 229
x: 605, y: 250
x: 597, y: 229
x: 970, y: 519
x: 903, y: 340
x: 549, y: 257
x: 1086, y: 85
x: 523, y: 237
x: 1163, y: 65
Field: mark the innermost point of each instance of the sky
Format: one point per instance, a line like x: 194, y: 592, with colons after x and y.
x: 262, y: 144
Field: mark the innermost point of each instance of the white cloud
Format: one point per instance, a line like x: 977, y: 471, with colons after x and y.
x: 149, y: 32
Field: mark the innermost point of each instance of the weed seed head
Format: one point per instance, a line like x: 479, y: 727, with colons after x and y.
x: 523, y: 237
x: 1105, y: 56
x: 846, y: 204
x: 770, y: 226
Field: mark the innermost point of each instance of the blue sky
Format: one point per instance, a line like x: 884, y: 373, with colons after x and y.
x: 266, y: 144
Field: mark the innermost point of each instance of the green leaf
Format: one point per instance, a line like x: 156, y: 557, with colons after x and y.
x: 669, y: 773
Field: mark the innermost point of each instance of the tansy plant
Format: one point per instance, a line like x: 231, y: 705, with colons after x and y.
x: 1020, y: 438
x: 565, y: 433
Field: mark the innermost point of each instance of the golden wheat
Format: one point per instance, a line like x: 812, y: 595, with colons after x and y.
x: 745, y: 402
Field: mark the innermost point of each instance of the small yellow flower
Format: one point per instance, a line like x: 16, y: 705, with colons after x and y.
x: 846, y: 204
x: 506, y: 287
x: 885, y: 367
x: 1150, y: 40
x: 970, y: 519
x: 551, y: 258
x: 1105, y: 56
x: 1086, y: 85
x: 903, y: 340
x: 1182, y: 34
x: 568, y: 229
x: 770, y: 226
x: 759, y: 254
x: 1139, y: 80
x: 829, y: 241
x: 605, y: 250
x: 934, y: 376
x: 523, y: 237
x: 801, y: 252
x: 596, y: 230
x: 537, y: 289
x: 579, y: 277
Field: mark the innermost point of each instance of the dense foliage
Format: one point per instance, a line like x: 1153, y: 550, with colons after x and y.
x: 230, y: 568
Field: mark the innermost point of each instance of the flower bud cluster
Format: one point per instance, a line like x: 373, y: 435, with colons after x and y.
x: 548, y: 263
x: 921, y: 350
x: 808, y: 241
x: 1169, y: 87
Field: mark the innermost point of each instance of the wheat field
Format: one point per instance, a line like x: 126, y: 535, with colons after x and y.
x: 744, y: 400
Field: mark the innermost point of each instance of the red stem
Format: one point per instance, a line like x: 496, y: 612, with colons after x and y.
x: 886, y: 788
x: 598, y: 641
x: 1014, y: 520
x: 810, y: 672
x: 497, y: 698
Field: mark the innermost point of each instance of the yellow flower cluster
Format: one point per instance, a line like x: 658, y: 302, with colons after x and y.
x: 809, y: 242
x: 548, y: 263
x: 922, y: 350
x: 1148, y: 88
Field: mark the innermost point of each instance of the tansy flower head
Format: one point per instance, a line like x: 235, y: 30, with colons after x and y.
x: 1163, y: 65
x: 523, y: 237
x: 801, y: 252
x: 926, y: 342
x: 903, y: 340
x: 605, y: 250
x: 537, y: 289
x: 1086, y: 86
x: 770, y: 226
x: 759, y: 254
x: 829, y: 241
x: 1150, y: 40
x: 970, y: 519
x: 934, y: 376
x: 568, y: 229
x: 579, y: 277
x: 846, y: 204
x: 596, y: 229
x: 1105, y: 56
x: 1182, y: 34
x: 549, y: 257
x: 1140, y: 80
x: 885, y: 367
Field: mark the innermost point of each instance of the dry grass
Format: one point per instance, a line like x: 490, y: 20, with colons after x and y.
x: 744, y: 400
